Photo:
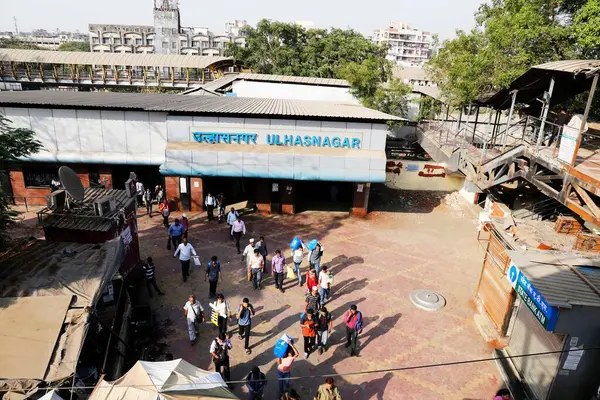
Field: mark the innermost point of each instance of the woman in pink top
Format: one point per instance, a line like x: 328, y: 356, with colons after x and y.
x: 284, y: 368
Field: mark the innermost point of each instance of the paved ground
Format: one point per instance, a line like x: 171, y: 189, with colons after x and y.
x: 377, y: 262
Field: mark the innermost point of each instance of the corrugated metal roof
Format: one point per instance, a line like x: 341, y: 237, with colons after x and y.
x: 84, y: 218
x: 212, y: 105
x: 572, y: 66
x: 413, y: 73
x: 550, y: 273
x: 306, y: 80
x: 431, y: 91
x: 83, y: 58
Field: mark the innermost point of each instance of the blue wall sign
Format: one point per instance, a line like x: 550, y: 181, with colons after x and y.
x: 543, y: 312
x: 277, y: 140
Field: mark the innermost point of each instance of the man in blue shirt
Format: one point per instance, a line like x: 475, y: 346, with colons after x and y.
x: 244, y: 316
x: 176, y: 231
x: 213, y: 273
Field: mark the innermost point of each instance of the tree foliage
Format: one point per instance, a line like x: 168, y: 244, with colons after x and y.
x: 511, y: 36
x: 15, y: 43
x: 14, y: 143
x: 289, y: 49
x: 74, y: 46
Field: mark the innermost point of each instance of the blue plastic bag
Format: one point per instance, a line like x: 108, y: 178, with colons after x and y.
x: 296, y: 243
x: 281, y: 346
x: 312, y: 244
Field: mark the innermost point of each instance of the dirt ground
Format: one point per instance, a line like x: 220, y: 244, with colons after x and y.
x: 377, y: 262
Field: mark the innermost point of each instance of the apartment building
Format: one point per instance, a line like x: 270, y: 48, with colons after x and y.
x: 406, y: 45
x: 45, y: 40
x: 165, y: 36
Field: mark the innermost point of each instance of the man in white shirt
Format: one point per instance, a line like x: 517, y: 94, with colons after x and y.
x: 185, y: 251
x: 325, y: 281
x: 232, y: 216
x: 248, y: 250
x: 139, y: 190
x: 210, y: 206
x: 193, y: 310
x: 237, y: 230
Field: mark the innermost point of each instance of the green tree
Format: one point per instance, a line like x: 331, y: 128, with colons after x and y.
x: 14, y: 43
x: 14, y: 143
x: 74, y: 46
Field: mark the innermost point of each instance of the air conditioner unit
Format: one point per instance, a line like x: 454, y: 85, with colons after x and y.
x: 130, y: 187
x: 56, y: 200
x: 104, y: 206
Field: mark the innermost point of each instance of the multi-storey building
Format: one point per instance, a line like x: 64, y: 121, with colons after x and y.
x: 166, y: 36
x: 406, y: 45
x: 44, y: 39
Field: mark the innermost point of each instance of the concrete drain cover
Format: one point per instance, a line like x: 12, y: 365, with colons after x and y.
x: 427, y: 300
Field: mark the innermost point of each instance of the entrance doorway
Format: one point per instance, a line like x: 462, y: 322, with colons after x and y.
x: 148, y: 175
x: 323, y: 196
x: 235, y: 190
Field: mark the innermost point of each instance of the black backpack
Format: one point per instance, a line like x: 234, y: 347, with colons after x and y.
x: 256, y: 383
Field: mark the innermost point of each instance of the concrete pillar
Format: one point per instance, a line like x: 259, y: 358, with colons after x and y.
x: 172, y: 192
x: 196, y: 194
x: 287, y: 191
x: 263, y: 196
x: 360, y: 199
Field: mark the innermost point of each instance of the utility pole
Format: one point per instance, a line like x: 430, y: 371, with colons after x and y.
x: 16, y: 26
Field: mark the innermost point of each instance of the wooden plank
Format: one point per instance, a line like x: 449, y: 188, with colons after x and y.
x: 587, y: 200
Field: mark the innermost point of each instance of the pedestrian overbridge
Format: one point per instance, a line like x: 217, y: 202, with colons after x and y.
x: 562, y: 161
x: 34, y: 68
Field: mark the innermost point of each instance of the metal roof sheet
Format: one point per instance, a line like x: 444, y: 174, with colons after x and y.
x: 550, y: 272
x: 571, y: 66
x: 83, y: 58
x: 413, y: 73
x: 307, y: 80
x: 212, y: 105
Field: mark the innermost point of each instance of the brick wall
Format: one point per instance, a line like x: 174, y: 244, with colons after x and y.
x: 360, y: 200
x: 196, y: 194
x: 263, y: 196
x: 172, y: 192
x: 106, y: 177
x: 22, y: 194
x: 287, y: 190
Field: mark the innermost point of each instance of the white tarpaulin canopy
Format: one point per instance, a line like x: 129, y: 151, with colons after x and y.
x: 51, y: 395
x: 172, y: 380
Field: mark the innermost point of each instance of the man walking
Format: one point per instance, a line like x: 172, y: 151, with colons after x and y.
x: 194, y: 314
x: 309, y: 331
x: 313, y: 300
x: 248, y: 250
x: 148, y: 268
x: 210, y: 202
x: 148, y: 201
x: 277, y: 268
x: 324, y: 327
x: 214, y: 274
x: 256, y: 382
x: 314, y: 259
x: 185, y: 251
x: 256, y: 268
x: 284, y: 368
x: 232, y: 216
x: 297, y: 257
x: 325, y: 280
x: 139, y: 191
x: 262, y: 248
x: 237, y: 230
x: 219, y: 350
x: 164, y: 210
x: 176, y: 231
x: 353, y: 321
x: 245, y: 312
x: 185, y: 222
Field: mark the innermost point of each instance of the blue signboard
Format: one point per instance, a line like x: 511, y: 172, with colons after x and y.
x: 543, y: 312
x: 277, y: 140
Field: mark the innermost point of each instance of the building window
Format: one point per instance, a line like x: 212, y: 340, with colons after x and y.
x: 173, y: 45
x: 128, y: 41
x: 95, y: 40
x: 105, y: 40
x: 165, y: 45
x: 150, y: 42
x: 184, y: 43
x: 195, y: 43
x: 38, y: 177
x: 117, y: 41
x: 138, y: 41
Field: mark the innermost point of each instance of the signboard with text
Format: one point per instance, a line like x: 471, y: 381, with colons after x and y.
x: 277, y: 139
x: 537, y: 304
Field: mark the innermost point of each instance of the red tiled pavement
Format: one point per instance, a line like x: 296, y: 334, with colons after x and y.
x: 377, y: 262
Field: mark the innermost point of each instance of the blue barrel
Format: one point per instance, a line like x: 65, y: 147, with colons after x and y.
x: 312, y: 244
x: 281, y: 346
x: 296, y: 243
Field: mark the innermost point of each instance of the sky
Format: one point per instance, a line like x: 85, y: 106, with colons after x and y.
x: 436, y: 16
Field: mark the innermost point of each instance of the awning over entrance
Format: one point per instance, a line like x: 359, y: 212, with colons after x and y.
x: 264, y: 161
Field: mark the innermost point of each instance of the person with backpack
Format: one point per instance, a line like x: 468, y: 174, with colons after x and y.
x: 324, y: 327
x: 194, y: 314
x: 219, y: 350
x: 309, y: 331
x: 245, y: 312
x: 353, y: 320
x: 256, y: 382
x: 214, y: 274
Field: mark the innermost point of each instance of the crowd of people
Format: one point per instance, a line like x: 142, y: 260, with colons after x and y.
x: 316, y: 322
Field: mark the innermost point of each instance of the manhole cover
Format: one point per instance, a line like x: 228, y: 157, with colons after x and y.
x: 427, y: 300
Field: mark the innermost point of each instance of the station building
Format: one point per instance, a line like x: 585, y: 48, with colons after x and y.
x: 281, y: 155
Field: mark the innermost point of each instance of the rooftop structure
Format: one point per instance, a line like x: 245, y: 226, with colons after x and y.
x: 406, y: 45
x: 45, y: 40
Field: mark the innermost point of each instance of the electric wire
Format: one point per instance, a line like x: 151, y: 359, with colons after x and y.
x: 366, y: 372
